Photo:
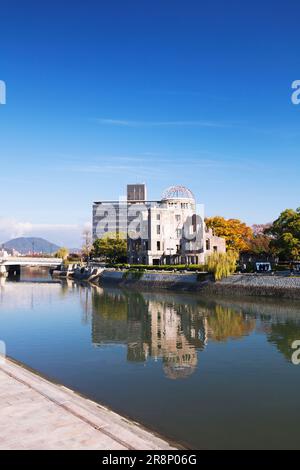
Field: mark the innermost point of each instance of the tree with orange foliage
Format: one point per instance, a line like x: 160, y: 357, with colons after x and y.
x: 236, y: 233
x: 260, y: 245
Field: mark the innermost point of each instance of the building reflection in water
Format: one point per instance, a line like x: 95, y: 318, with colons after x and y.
x: 170, y: 328
x: 175, y: 339
x: 161, y: 328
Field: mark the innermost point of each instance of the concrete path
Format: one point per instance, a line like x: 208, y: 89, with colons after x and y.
x: 37, y: 414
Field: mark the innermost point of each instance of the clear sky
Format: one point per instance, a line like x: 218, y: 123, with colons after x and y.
x: 104, y: 93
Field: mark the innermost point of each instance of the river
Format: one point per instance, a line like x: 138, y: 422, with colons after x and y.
x: 208, y: 373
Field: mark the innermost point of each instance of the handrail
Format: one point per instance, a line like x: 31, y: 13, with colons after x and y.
x: 29, y: 260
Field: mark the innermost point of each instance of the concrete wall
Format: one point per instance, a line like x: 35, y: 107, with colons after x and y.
x: 236, y: 285
x: 214, y: 243
x: 256, y: 285
x: 151, y: 279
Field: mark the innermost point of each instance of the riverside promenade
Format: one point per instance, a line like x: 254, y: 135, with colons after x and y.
x: 38, y: 414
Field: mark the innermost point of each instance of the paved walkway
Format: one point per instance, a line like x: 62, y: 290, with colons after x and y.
x: 37, y: 414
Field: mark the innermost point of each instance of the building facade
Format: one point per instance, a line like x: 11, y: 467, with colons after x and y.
x: 168, y: 231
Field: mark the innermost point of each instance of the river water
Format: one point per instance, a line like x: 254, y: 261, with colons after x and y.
x: 208, y: 373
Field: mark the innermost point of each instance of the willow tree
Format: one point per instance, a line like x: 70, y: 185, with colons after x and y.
x: 222, y: 264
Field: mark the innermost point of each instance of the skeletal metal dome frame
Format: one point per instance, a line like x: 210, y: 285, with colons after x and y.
x: 178, y: 192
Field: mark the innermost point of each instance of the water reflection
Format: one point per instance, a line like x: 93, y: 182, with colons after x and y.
x: 158, y: 327
x: 171, y: 328
x: 236, y: 386
x: 225, y: 323
x: 278, y: 320
x: 149, y: 328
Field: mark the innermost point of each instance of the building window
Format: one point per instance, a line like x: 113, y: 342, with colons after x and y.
x: 207, y: 244
x: 157, y: 216
x: 177, y: 217
x: 178, y: 232
x: 158, y: 229
x: 215, y: 249
x: 158, y: 246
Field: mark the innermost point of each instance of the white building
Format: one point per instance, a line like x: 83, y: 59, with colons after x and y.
x: 176, y: 233
x: 168, y: 231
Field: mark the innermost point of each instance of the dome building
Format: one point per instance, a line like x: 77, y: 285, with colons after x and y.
x: 178, y: 193
x: 168, y: 231
x: 176, y: 233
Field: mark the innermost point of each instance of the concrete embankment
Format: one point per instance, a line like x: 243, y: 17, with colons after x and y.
x: 256, y: 285
x: 235, y: 285
x: 38, y: 414
x: 155, y: 280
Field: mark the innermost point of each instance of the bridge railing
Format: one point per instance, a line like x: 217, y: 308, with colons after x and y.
x: 23, y: 260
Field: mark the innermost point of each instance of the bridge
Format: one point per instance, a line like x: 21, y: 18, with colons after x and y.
x: 26, y: 261
x: 12, y: 265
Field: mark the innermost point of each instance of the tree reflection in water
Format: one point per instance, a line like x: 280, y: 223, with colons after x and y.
x: 168, y: 327
x: 173, y: 328
x: 225, y: 323
x: 283, y: 334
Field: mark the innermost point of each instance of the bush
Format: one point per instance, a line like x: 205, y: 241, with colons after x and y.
x: 222, y: 264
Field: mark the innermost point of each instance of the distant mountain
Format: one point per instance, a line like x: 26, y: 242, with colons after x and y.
x: 25, y: 245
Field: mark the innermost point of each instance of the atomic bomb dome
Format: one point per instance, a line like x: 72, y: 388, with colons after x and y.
x: 178, y: 192
x: 165, y: 231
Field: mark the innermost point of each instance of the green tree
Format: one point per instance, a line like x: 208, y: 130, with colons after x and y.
x: 235, y: 232
x: 113, y: 247
x: 62, y: 253
x: 285, y: 233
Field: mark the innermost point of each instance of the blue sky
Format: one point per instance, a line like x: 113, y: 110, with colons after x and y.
x: 100, y: 94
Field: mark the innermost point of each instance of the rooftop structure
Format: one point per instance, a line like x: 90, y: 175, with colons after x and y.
x: 177, y: 192
x: 136, y: 192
